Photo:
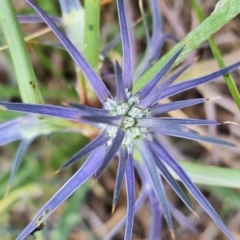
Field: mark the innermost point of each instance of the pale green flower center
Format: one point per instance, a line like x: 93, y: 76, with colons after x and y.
x: 131, y: 113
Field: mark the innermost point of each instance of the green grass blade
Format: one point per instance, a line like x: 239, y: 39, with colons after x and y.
x: 91, y: 43
x: 25, y: 75
x: 83, y: 29
x: 92, y: 33
x: 224, y: 12
x: 216, y: 52
x: 211, y: 175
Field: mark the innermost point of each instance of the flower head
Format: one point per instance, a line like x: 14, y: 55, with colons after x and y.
x: 129, y: 121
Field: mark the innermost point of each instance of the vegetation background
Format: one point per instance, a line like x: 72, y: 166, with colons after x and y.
x: 87, y: 214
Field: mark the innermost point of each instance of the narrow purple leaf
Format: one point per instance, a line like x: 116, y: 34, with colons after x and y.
x: 144, y: 175
x: 130, y: 186
x: 96, y: 83
x: 126, y: 45
x: 182, y: 219
x: 144, y: 92
x: 142, y: 171
x: 10, y: 131
x: 168, y: 107
x: 110, y: 46
x: 97, y: 142
x: 180, y: 87
x: 157, y: 38
x: 152, y: 98
x: 161, y: 122
x: 91, y: 110
x: 22, y: 149
x: 190, y: 121
x: 148, y: 157
x: 175, y: 130
x: 156, y: 217
x: 165, y: 173
x: 109, y: 120
x: 152, y: 54
x: 174, y: 76
x: 163, y: 154
x: 155, y: 42
x: 139, y: 202
x: 48, y: 110
x: 120, y: 176
x: 37, y: 19
x: 82, y: 175
x: 145, y: 24
x: 111, y: 151
x: 157, y: 19
x: 121, y: 93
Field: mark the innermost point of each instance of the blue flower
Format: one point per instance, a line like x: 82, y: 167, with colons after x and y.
x: 129, y: 121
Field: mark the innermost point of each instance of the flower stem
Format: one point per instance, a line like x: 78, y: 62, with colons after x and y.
x: 90, y: 50
x: 25, y: 75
